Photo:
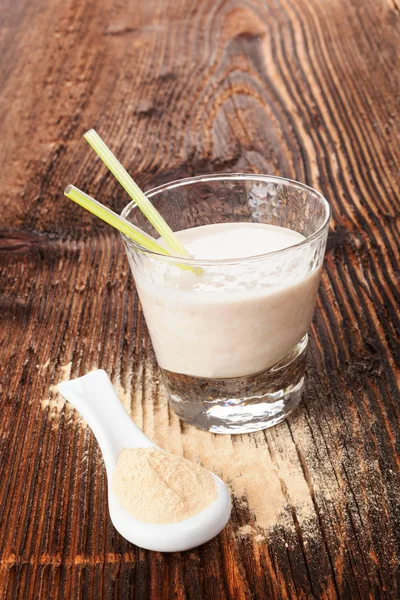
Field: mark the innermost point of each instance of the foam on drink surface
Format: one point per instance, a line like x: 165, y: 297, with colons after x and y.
x: 231, y: 241
x: 237, y: 240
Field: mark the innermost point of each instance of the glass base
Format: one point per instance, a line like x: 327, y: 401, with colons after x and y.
x: 240, y: 404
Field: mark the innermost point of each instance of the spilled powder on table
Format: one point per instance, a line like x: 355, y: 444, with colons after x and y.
x: 262, y: 469
x: 249, y: 530
x: 43, y: 368
x: 55, y: 403
x: 245, y: 530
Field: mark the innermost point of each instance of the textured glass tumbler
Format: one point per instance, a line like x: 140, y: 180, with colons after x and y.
x: 230, y: 336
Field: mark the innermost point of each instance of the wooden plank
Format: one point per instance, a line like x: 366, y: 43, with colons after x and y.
x: 303, y: 89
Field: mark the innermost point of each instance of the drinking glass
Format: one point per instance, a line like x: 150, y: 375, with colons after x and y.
x: 230, y: 336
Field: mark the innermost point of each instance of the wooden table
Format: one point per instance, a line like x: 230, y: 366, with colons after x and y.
x: 307, y: 89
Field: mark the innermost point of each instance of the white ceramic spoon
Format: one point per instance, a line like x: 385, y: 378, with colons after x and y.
x: 95, y: 398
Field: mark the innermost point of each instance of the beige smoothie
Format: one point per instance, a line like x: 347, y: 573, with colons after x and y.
x: 232, y: 319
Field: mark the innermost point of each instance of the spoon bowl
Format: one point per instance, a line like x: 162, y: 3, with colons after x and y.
x: 94, y: 397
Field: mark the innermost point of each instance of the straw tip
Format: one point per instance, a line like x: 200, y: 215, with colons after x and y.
x: 89, y: 133
x: 68, y: 189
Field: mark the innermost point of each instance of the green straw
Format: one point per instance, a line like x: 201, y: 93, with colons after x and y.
x: 135, y: 192
x: 110, y: 217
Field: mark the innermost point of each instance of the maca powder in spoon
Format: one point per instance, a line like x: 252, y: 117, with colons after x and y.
x: 157, y: 487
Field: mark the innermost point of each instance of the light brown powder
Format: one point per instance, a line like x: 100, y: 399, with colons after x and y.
x: 157, y: 487
x: 245, y: 530
x: 54, y: 400
x: 263, y: 470
x: 265, y: 476
x: 54, y: 404
x: 268, y: 486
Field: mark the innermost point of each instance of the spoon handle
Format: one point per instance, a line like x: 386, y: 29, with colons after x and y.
x: 95, y: 398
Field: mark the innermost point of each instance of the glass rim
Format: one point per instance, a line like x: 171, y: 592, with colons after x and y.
x: 233, y: 176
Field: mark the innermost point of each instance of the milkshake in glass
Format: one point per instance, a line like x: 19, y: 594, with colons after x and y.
x: 229, y: 325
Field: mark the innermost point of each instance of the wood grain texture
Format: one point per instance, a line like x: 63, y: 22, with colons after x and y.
x: 307, y: 89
